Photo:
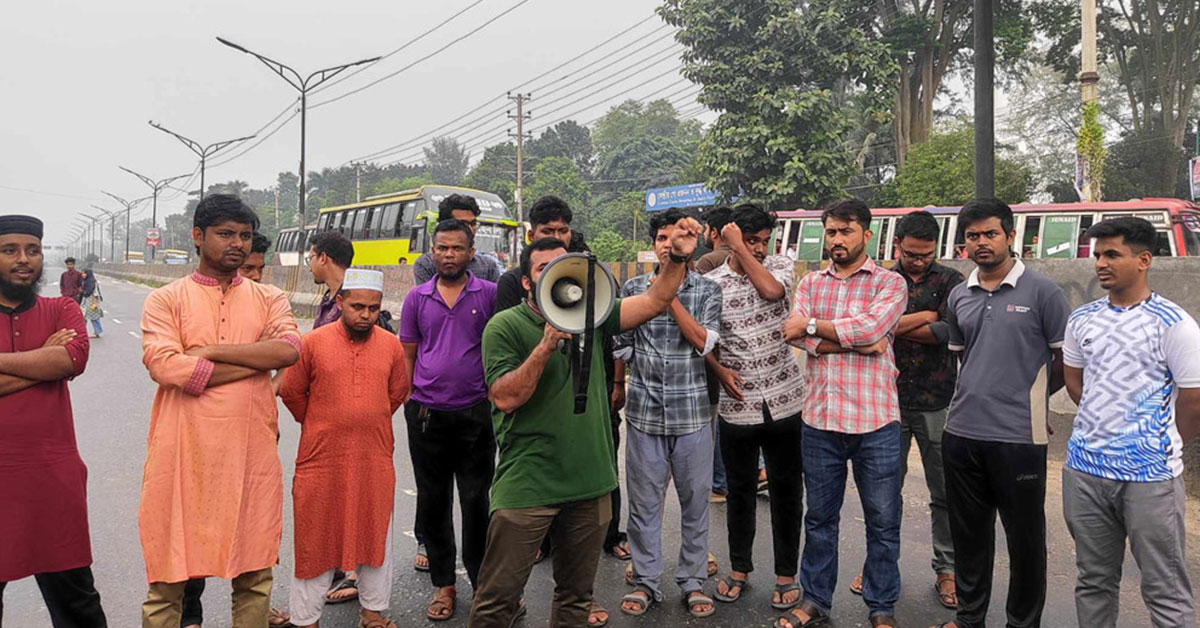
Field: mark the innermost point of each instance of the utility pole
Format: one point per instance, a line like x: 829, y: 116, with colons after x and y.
x: 302, y: 85
x: 357, y: 182
x: 112, y: 231
x: 128, y: 205
x: 521, y: 116
x: 156, y: 187
x: 277, y: 226
x: 203, y: 152
x: 985, y: 104
x: 1088, y: 76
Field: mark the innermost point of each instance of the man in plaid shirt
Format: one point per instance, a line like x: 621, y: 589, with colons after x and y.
x: 843, y: 317
x: 668, y: 435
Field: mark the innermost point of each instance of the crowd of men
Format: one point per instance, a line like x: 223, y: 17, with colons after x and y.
x: 700, y: 354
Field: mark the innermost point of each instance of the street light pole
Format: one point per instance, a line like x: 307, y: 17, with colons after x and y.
x: 92, y: 233
x: 157, y: 187
x: 203, y: 152
x: 128, y: 205
x: 302, y: 85
x: 112, y: 232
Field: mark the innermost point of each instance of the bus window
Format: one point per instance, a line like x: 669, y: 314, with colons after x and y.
x: 792, y: 237
x: 279, y: 241
x: 812, y: 239
x: 376, y: 220
x: 416, y: 239
x: 1083, y: 248
x: 1029, y: 242
x: 1191, y: 234
x: 323, y: 221
x: 308, y: 236
x: 356, y: 227
x: 1162, y: 246
x: 943, y: 236
x: 388, y: 224
x: 1058, y: 237
x: 877, y: 245
x: 409, y: 214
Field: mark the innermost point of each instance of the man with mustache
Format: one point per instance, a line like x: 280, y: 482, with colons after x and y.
x: 448, y: 416
x: 43, y: 344
x: 844, y: 317
x: 1007, y: 324
x: 212, y: 486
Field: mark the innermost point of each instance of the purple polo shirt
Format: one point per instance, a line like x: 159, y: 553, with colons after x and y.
x: 327, y: 311
x: 449, y: 369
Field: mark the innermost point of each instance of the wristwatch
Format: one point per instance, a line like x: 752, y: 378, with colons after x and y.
x: 811, y: 327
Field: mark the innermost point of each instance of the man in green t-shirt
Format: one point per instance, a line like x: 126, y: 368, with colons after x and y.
x: 555, y: 470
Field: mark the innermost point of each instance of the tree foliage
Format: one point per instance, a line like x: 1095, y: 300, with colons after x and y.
x: 611, y: 247
x: 781, y: 77
x: 941, y: 171
x: 566, y: 139
x: 1136, y: 165
x: 496, y: 172
x: 446, y: 160
x: 561, y: 177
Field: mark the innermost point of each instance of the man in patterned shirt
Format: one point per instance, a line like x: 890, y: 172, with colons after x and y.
x: 843, y: 317
x: 761, y: 398
x: 668, y: 437
x: 1132, y: 363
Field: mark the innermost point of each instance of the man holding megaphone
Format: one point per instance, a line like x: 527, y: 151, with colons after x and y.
x: 555, y: 471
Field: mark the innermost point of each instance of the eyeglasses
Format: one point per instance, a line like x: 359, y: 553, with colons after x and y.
x: 308, y: 258
x: 918, y: 256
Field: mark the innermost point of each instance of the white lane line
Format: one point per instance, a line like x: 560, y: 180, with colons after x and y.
x: 117, y: 321
x: 134, y: 334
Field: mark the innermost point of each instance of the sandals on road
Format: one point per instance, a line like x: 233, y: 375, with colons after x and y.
x: 783, y: 589
x: 693, y: 600
x: 949, y: 599
x: 730, y: 584
x: 344, y: 585
x: 441, y: 607
x: 642, y: 598
x: 792, y: 619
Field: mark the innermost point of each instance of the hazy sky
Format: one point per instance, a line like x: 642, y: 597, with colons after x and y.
x: 82, y: 79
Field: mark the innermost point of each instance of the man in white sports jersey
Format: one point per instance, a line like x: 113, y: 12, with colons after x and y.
x: 1132, y: 363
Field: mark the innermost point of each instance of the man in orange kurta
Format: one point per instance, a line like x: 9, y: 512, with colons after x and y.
x: 349, y: 381
x: 212, y: 487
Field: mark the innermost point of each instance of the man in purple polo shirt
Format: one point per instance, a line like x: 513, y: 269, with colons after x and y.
x: 449, y: 418
x: 329, y: 255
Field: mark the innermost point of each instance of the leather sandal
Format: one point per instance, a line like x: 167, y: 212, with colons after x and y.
x: 816, y: 617
x: 441, y: 601
x: 949, y: 600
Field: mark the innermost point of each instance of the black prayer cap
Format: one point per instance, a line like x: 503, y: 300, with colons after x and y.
x: 15, y: 223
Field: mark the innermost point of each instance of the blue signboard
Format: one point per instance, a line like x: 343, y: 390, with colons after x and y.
x: 694, y: 195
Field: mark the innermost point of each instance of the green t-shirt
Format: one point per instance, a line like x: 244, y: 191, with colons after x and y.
x: 548, y: 454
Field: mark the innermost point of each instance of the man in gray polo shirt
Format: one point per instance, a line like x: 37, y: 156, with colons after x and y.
x: 1007, y: 324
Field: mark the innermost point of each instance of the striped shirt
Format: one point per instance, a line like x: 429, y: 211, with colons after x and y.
x: 752, y: 344
x: 849, y: 392
x: 1134, y: 359
x: 668, y: 395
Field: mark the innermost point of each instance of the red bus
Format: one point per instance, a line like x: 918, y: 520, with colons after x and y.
x: 1043, y: 231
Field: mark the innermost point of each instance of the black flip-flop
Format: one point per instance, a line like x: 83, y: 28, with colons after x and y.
x: 785, y: 588
x: 730, y: 583
x: 421, y: 552
x: 348, y: 583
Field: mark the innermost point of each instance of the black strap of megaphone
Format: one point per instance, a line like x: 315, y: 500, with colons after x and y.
x: 583, y: 367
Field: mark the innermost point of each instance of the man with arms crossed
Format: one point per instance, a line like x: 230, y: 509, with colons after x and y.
x: 1132, y: 363
x: 556, y: 467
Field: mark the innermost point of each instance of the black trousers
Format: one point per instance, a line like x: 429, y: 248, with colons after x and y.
x: 779, y: 442
x: 448, y: 447
x: 70, y: 597
x: 193, y: 609
x: 614, y: 536
x: 984, y: 478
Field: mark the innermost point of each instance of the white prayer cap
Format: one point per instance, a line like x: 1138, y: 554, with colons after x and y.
x: 361, y: 279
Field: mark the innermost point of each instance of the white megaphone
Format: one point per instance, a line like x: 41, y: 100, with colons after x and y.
x: 576, y: 294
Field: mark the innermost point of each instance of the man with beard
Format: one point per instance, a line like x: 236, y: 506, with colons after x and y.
x: 212, y: 489
x: 449, y: 417
x: 70, y: 283
x: 43, y: 344
x: 482, y: 265
x: 349, y: 381
x: 1007, y: 324
x: 843, y: 318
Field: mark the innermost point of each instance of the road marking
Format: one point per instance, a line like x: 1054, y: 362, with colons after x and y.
x: 134, y: 334
x: 409, y: 492
x: 117, y: 321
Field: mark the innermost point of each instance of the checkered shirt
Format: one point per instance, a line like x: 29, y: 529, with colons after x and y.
x: 849, y: 392
x: 668, y: 394
x: 752, y: 344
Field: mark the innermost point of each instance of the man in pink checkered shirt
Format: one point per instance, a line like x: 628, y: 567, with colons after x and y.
x: 843, y: 318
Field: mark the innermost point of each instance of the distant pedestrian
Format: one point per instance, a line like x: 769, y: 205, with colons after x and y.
x: 212, y: 489
x: 1132, y: 363
x: 483, y: 266
x: 329, y: 255
x: 70, y: 283
x: 92, y: 296
x: 343, y: 391
x: 43, y: 481
x: 448, y: 416
x: 762, y: 395
x: 844, y: 317
x: 1007, y: 324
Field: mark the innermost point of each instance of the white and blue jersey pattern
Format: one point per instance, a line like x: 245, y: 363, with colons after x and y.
x: 1134, y: 359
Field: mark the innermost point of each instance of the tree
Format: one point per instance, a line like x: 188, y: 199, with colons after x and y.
x: 496, y: 172
x: 566, y: 139
x: 941, y: 171
x: 781, y: 77
x: 610, y: 247
x: 561, y: 177
x: 1135, y: 165
x: 643, y: 162
x: 446, y: 160
x: 632, y: 119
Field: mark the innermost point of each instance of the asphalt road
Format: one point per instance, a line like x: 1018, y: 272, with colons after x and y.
x: 112, y: 403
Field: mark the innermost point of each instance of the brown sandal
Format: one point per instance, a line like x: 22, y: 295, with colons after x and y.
x: 383, y: 622
x: 441, y: 603
x: 949, y: 600
x: 815, y: 617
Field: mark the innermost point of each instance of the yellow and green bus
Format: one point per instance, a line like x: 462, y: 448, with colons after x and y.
x: 395, y: 228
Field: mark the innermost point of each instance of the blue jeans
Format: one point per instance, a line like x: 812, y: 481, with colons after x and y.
x: 876, y: 460
x: 99, y: 329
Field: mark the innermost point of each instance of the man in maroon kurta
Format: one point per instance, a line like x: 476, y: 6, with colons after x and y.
x: 43, y: 481
x: 70, y: 283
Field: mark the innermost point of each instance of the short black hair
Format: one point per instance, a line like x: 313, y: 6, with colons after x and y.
x: 540, y: 244
x: 983, y: 208
x: 663, y: 219
x: 218, y: 208
x: 337, y: 246
x: 456, y: 201
x: 718, y: 217
x: 751, y: 218
x: 260, y: 243
x: 920, y: 225
x: 850, y: 210
x: 69, y: 260
x: 1138, y: 233
x: 548, y: 209
x: 454, y: 224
